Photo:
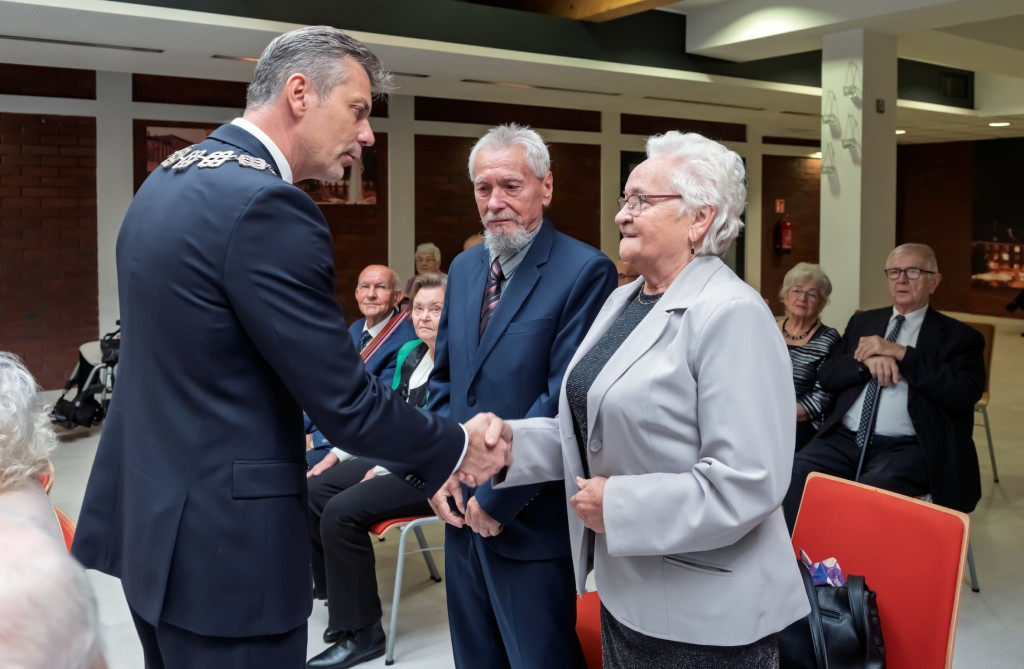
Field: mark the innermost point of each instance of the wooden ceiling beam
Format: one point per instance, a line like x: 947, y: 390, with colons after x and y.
x: 597, y: 11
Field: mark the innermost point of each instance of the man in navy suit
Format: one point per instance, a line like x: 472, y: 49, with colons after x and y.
x: 230, y: 329
x: 517, y: 307
x: 929, y: 370
x: 377, y: 296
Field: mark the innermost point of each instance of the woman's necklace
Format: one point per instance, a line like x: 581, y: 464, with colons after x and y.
x: 647, y: 300
x: 798, y: 337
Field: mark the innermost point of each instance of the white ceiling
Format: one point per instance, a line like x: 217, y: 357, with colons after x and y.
x: 984, y: 36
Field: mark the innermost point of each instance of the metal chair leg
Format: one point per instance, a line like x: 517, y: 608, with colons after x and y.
x: 425, y: 549
x: 970, y: 566
x: 991, y: 450
x: 389, y: 654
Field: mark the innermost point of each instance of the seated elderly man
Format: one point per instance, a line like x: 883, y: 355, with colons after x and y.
x: 378, y: 336
x: 48, y: 617
x: 906, y: 379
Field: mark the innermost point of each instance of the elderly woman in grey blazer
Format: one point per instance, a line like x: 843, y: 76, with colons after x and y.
x: 675, y: 432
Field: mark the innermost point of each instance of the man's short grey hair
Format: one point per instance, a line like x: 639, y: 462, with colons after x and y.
x: 706, y: 174
x: 803, y: 272
x: 26, y: 433
x: 48, y: 616
x: 513, y: 134
x: 922, y: 250
x: 432, y: 248
x: 319, y: 53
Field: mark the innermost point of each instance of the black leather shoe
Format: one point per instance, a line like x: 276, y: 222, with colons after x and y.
x: 366, y: 644
x: 331, y: 635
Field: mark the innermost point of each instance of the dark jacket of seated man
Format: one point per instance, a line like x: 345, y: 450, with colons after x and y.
x: 943, y: 375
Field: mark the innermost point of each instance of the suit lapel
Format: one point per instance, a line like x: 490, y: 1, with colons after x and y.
x: 516, y: 293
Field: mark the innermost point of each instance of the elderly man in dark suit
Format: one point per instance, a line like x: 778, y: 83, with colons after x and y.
x: 230, y: 328
x: 906, y: 379
x: 517, y: 307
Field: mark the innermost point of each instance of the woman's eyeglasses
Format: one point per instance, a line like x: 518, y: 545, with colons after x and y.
x: 636, y: 201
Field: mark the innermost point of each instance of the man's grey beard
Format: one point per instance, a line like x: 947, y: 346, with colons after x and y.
x: 505, y: 243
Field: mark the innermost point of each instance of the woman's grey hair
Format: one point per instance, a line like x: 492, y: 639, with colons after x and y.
x: 803, y: 272
x: 318, y: 52
x: 706, y: 174
x: 428, y: 280
x: 46, y: 602
x: 432, y: 248
x: 26, y: 434
x: 513, y: 134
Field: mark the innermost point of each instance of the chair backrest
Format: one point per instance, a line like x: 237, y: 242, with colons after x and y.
x: 910, y: 553
x: 67, y: 526
x: 989, y: 332
x: 47, y: 477
x: 588, y: 628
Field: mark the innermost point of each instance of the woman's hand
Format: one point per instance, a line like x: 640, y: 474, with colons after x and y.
x: 589, y: 502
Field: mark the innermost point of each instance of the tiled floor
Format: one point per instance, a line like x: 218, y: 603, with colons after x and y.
x: 990, y: 625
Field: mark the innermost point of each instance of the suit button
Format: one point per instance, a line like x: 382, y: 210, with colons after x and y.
x: 471, y: 400
x: 595, y: 445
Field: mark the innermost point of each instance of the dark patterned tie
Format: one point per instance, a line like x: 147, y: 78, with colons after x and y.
x: 492, y: 293
x: 868, y: 413
x: 364, y: 339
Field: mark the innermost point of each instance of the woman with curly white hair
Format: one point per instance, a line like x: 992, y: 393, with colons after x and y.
x: 675, y: 432
x: 26, y: 438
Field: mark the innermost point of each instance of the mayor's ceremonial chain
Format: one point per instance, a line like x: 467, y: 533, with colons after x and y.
x: 184, y: 158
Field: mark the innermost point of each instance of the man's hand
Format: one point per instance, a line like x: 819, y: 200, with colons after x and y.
x: 589, y: 502
x: 872, y: 346
x: 480, y: 521
x: 319, y: 468
x: 368, y: 475
x: 883, y: 369
x: 439, y: 503
x: 490, y: 449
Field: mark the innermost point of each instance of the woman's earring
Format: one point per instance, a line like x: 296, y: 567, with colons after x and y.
x: 691, y: 248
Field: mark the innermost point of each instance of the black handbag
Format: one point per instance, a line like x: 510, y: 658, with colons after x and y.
x: 842, y: 631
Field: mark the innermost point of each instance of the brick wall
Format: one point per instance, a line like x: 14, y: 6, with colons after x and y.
x: 798, y: 182
x: 48, y: 272
x: 446, y: 211
x: 360, y: 234
x: 935, y: 187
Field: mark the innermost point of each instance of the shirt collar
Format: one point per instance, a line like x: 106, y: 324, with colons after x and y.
x: 913, y: 317
x: 379, y: 326
x: 264, y: 139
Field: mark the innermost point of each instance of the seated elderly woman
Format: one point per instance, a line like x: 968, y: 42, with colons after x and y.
x: 805, y: 292
x: 26, y: 438
x: 349, y: 497
x: 676, y: 429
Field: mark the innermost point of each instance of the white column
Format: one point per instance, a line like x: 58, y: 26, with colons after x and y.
x: 401, y: 186
x: 114, y: 183
x: 858, y: 199
x: 611, y: 168
x: 753, y: 154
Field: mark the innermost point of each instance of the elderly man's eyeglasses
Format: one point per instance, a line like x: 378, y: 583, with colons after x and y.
x: 636, y: 201
x: 893, y: 273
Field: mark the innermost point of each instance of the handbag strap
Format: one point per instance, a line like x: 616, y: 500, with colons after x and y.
x: 814, y: 619
x: 855, y: 588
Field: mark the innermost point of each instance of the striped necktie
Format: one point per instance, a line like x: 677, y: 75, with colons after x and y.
x: 492, y: 293
x: 364, y: 339
x: 868, y: 414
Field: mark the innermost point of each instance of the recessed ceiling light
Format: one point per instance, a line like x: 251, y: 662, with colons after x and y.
x: 998, y: 124
x: 97, y: 45
x: 246, y: 59
x: 513, y: 84
x: 816, y: 154
x: 901, y: 132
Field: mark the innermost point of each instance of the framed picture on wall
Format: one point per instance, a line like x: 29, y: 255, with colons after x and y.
x: 357, y: 186
x: 153, y: 141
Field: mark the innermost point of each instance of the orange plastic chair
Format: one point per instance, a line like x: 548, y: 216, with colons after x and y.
x: 414, y: 523
x: 47, y: 477
x: 910, y: 552
x: 588, y: 628
x: 67, y: 527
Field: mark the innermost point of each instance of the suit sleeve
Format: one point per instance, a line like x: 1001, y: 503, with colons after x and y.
x: 953, y: 381
x: 840, y: 370
x: 744, y: 413
x: 595, y: 282
x: 279, y: 278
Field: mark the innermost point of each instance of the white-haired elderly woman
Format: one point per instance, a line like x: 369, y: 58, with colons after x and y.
x: 675, y: 432
x: 428, y: 261
x: 26, y: 438
x: 805, y: 292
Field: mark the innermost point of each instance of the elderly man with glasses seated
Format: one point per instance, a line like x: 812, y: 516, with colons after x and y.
x: 906, y: 379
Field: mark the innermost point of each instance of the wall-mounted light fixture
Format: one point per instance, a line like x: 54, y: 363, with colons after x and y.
x: 851, y: 87
x: 828, y: 159
x: 829, y: 109
x: 850, y: 133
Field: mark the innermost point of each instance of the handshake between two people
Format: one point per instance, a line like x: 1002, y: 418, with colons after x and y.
x: 489, y: 452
